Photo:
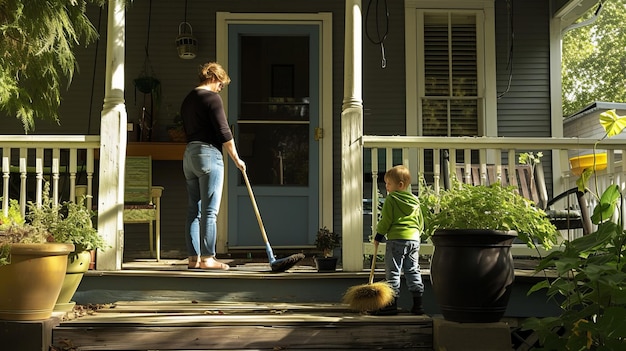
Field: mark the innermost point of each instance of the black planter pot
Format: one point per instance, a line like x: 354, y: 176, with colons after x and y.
x: 471, y: 273
x: 326, y: 264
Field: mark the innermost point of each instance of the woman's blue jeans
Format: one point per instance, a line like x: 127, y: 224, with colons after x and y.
x: 203, y: 167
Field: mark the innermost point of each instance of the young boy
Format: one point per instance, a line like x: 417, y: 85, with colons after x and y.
x: 402, y: 223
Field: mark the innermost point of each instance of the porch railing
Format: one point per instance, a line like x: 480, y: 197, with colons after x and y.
x: 68, y: 160
x: 423, y: 156
x: 62, y: 160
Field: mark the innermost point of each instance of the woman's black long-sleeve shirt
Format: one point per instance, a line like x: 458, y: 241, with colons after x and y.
x: 204, y: 119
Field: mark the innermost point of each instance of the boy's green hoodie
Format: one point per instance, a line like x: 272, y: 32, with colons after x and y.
x: 401, y: 217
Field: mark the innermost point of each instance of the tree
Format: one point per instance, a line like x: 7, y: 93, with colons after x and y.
x: 594, y: 59
x: 37, y: 39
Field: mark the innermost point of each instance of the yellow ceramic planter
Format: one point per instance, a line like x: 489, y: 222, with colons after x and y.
x: 579, y: 163
x: 32, y: 281
x: 77, y: 265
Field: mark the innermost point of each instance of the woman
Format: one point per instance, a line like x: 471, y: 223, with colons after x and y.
x: 207, y: 131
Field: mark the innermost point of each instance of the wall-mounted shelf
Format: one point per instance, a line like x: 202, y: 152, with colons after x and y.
x: 160, y: 151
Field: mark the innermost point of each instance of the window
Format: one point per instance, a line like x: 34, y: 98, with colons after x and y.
x: 449, y: 97
x: 446, y: 91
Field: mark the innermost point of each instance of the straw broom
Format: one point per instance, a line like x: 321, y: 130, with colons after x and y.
x: 370, y: 296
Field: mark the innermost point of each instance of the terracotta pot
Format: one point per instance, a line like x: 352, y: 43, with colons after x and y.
x: 30, y: 284
x: 77, y: 265
x: 472, y: 274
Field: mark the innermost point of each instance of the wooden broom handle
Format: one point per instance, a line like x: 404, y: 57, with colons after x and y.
x: 371, y: 280
x: 254, y: 206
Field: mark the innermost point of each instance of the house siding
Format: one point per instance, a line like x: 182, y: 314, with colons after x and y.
x: 524, y: 110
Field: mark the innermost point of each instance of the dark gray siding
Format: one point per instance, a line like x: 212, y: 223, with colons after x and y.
x: 525, y: 109
x: 384, y: 92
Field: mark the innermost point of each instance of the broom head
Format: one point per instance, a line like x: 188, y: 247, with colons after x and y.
x: 369, y: 297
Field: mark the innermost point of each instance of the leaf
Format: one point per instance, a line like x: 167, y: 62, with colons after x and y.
x: 612, y: 123
x: 605, y: 209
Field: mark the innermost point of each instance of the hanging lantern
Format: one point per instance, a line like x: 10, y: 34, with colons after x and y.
x: 186, y: 43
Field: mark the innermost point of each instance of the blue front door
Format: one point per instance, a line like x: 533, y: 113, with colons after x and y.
x: 273, y: 108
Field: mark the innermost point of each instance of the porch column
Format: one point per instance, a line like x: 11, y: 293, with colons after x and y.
x: 113, y: 143
x: 351, y: 142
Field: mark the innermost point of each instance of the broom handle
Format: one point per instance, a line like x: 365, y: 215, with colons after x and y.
x: 373, y: 262
x: 256, y: 209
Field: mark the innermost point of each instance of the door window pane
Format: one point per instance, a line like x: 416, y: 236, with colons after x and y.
x: 273, y: 121
x: 276, y: 154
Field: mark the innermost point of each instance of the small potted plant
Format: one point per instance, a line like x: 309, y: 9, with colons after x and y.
x: 326, y: 241
x: 176, y: 131
x: 472, y: 228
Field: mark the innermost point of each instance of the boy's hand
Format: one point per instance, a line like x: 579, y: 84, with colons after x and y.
x: 380, y: 238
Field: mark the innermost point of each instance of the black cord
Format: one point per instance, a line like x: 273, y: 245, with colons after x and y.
x: 380, y: 39
x: 185, y: 11
x: 148, y: 35
x: 509, y: 63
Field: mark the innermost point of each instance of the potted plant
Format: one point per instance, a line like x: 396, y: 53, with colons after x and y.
x: 326, y: 241
x: 176, y: 131
x: 472, y: 229
x: 32, y: 268
x: 591, y: 274
x: 68, y: 223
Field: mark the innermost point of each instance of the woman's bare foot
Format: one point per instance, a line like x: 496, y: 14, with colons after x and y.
x: 194, y: 262
x: 210, y: 263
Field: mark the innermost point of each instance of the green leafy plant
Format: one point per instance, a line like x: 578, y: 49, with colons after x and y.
x: 14, y: 229
x: 326, y: 241
x: 495, y: 207
x: 590, y: 283
x: 69, y: 223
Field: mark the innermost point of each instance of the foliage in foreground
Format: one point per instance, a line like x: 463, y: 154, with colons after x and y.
x: 590, y: 283
x: 37, y: 40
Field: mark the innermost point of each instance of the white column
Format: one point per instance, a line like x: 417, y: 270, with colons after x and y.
x: 113, y: 143
x: 351, y: 142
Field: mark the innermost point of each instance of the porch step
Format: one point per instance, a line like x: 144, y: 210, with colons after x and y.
x: 195, y: 325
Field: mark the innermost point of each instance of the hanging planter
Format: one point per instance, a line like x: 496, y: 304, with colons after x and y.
x: 186, y: 43
x: 147, y: 84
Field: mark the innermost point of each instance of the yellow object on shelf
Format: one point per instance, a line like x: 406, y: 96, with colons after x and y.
x: 579, y: 163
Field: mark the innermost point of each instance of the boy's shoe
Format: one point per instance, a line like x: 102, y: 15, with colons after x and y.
x: 417, y: 305
x: 389, y: 310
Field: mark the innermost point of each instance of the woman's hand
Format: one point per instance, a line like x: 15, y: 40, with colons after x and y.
x: 240, y: 164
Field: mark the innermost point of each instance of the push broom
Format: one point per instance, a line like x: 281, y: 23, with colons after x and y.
x: 370, y: 296
x: 277, y: 265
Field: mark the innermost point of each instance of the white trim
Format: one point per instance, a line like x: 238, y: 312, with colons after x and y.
x: 448, y: 4
x: 324, y: 20
x: 559, y: 158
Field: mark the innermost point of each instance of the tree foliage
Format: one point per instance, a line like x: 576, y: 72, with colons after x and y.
x: 37, y: 39
x: 594, y: 60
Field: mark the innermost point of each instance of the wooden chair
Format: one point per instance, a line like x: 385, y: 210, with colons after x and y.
x: 142, y: 200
